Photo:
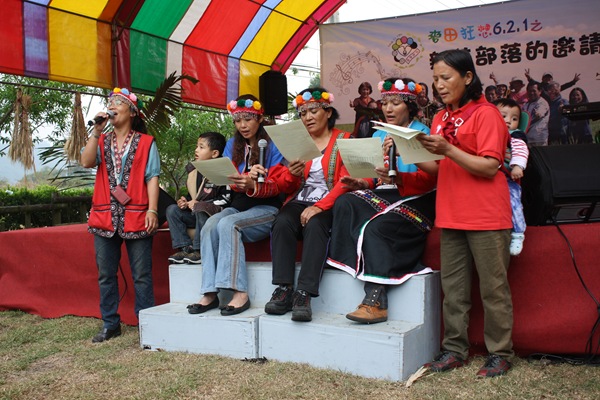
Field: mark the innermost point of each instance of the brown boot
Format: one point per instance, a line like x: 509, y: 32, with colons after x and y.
x: 366, y: 314
x: 373, y: 308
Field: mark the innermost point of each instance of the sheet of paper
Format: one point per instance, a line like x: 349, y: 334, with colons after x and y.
x: 407, y: 145
x: 293, y: 141
x: 361, y: 156
x: 216, y: 170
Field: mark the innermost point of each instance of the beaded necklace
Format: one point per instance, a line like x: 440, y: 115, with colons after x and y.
x: 119, y: 153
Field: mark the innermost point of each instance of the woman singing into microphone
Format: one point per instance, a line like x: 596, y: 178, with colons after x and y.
x: 378, y: 236
x: 250, y: 216
x: 124, y: 206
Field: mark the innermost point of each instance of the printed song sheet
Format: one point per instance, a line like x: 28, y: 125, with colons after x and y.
x: 407, y: 145
x: 361, y: 156
x: 293, y: 141
x: 216, y: 170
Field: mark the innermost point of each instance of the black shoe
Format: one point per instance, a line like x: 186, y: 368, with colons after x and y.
x: 199, y: 308
x: 106, y: 334
x: 193, y: 257
x: 179, y: 257
x: 281, y: 301
x: 445, y: 361
x: 495, y: 365
x: 231, y: 310
x: 301, y: 310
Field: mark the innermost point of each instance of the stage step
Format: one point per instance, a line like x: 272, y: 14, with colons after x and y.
x: 392, y: 350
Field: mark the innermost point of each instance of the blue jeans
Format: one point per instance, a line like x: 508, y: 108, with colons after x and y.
x: 222, y: 247
x: 108, y: 256
x: 518, y: 218
x: 179, y: 222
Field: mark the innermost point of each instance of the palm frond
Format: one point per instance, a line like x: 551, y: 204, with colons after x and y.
x: 164, y: 104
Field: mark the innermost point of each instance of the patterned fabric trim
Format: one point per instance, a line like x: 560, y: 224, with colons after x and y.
x: 332, y: 162
x: 405, y: 211
x: 117, y: 210
x: 392, y: 281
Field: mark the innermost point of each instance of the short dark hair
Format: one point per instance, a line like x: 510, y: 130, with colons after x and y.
x: 365, y: 85
x: 506, y: 102
x: 461, y: 61
x: 215, y: 140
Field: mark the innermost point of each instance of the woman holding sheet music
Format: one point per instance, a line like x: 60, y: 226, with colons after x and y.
x: 311, y: 187
x: 378, y: 236
x: 250, y: 216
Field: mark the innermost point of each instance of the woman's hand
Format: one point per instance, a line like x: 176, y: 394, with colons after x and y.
x: 151, y: 222
x: 296, y: 168
x: 382, y: 174
x: 243, y: 182
x: 435, y: 144
x: 257, y: 170
x: 351, y: 183
x: 387, y: 143
x: 308, y: 213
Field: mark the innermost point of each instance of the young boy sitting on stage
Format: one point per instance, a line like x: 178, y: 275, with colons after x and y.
x: 204, y: 199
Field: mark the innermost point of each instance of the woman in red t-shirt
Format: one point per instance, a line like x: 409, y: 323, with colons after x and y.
x: 473, y: 211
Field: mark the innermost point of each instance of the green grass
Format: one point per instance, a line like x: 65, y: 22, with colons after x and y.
x: 55, y: 359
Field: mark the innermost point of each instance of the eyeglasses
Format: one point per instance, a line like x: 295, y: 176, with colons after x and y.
x: 115, y: 102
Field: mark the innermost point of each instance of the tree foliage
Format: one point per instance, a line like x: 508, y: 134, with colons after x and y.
x: 177, y: 144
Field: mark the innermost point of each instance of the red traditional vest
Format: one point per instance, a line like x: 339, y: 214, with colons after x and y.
x: 108, y: 216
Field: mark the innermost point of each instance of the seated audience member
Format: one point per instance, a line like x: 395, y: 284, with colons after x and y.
x: 203, y: 200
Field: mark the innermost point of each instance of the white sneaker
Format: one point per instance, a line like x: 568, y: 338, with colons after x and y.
x: 516, y: 243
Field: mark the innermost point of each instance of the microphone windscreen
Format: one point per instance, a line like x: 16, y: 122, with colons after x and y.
x: 262, y: 143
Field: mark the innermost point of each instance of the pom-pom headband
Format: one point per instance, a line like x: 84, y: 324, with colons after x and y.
x: 407, y: 91
x: 131, y: 98
x: 247, y: 106
x: 314, y: 99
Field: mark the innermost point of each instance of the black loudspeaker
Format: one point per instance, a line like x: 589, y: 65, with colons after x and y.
x: 273, y: 92
x: 562, y: 184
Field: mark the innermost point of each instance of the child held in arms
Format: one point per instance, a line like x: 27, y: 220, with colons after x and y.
x: 516, y: 161
x: 203, y: 200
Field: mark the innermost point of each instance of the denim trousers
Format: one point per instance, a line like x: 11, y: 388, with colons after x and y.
x: 222, y: 247
x: 518, y: 218
x: 488, y: 252
x: 108, y: 256
x: 182, y: 220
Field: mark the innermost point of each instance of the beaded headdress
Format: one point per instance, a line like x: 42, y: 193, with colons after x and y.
x: 130, y: 97
x: 310, y: 100
x: 406, y: 91
x: 245, y: 107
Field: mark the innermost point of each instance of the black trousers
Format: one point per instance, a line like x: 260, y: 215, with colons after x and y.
x: 285, y: 234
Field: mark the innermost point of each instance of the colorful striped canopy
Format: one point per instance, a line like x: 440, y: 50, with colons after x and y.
x: 226, y: 44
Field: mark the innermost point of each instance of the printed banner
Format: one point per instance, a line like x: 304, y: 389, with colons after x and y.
x: 507, y: 40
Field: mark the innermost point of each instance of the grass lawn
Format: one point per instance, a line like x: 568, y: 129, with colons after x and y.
x: 55, y: 359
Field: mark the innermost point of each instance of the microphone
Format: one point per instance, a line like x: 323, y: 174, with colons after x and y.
x: 392, y: 160
x: 262, y: 145
x: 99, y: 119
